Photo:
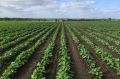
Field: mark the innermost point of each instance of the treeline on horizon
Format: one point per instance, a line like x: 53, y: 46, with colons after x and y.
x: 54, y: 19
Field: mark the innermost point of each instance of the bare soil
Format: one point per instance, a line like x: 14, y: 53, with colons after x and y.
x: 1, y: 53
x: 79, y: 65
x: 26, y: 70
x: 51, y: 69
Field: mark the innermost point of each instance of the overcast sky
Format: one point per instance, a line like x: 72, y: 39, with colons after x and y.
x: 60, y: 8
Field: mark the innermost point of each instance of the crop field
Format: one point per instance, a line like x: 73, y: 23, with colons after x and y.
x: 60, y: 50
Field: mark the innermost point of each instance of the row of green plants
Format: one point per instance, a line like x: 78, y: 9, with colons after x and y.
x: 108, y: 38
x: 103, y: 28
x: 10, y: 27
x: 6, y: 30
x: 39, y: 71
x: 9, y: 31
x: 99, y: 37
x: 104, y: 42
x: 84, y: 53
x: 114, y: 34
x: 64, y: 62
x: 3, y: 47
x: 12, y: 35
x: 9, y: 44
x: 9, y: 39
x: 100, y: 40
x: 17, y: 35
x: 23, y: 57
x: 21, y: 31
x: 15, y: 51
x: 104, y: 55
x: 107, y: 57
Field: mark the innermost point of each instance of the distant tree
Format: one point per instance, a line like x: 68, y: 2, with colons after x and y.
x: 109, y: 19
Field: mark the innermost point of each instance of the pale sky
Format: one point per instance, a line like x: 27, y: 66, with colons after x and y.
x: 60, y: 8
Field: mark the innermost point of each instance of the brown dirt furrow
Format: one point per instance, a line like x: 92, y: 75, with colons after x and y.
x: 79, y: 66
x: 108, y: 73
x: 25, y: 71
x: 1, y: 53
x: 51, y: 69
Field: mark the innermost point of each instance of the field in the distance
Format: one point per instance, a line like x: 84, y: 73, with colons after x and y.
x: 60, y: 50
